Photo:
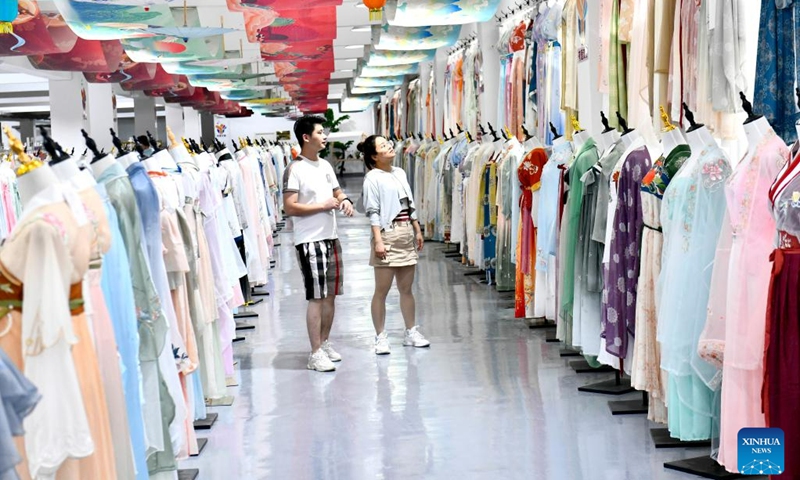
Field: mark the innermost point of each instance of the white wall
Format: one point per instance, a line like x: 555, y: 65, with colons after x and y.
x: 258, y: 126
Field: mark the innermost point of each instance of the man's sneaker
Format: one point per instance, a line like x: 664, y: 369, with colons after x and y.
x: 382, y: 344
x: 320, y: 362
x: 415, y: 339
x: 333, y: 355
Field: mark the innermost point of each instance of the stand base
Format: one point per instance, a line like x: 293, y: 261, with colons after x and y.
x: 582, y: 366
x: 245, y: 315
x: 474, y: 272
x: 206, y: 423
x: 706, y: 467
x: 568, y: 352
x: 201, y: 444
x: 220, y: 402
x: 627, y: 407
x: 253, y: 302
x: 245, y: 326
x: 609, y: 387
x: 188, y: 474
x: 239, y: 339
x: 537, y: 323
x: 452, y: 254
x: 259, y: 293
x: 276, y: 244
x: 661, y: 439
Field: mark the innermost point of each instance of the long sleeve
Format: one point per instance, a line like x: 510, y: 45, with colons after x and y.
x: 58, y: 428
x: 372, y: 201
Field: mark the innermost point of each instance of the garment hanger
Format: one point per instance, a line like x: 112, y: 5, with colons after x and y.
x: 748, y: 108
x: 606, y: 127
x: 493, y: 132
x: 118, y: 144
x: 623, y: 124
x: 153, y: 142
x: 57, y: 155
x: 690, y: 118
x: 92, y: 146
x: 527, y: 135
x: 451, y: 133
x: 556, y: 135
x: 235, y: 147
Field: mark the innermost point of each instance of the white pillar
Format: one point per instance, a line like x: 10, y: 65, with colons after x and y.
x: 439, y: 65
x: 488, y: 36
x: 144, y: 111
x: 175, y: 120
x: 100, y: 113
x: 191, y: 119
x: 68, y: 112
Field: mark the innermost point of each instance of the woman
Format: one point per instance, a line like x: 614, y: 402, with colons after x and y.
x: 396, y: 238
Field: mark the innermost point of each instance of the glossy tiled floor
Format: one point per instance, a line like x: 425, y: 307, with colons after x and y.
x: 489, y: 400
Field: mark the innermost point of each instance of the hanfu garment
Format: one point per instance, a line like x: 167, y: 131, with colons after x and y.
x: 646, y: 365
x: 589, y: 256
x: 738, y: 302
x: 782, y: 357
x: 45, y: 334
x: 620, y: 276
x: 547, y: 231
x: 529, y: 174
x: 586, y: 157
x: 692, y: 212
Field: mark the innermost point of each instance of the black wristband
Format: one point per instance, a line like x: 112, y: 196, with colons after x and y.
x: 347, y: 199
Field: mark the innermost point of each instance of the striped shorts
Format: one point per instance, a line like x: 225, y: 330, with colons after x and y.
x: 321, y: 265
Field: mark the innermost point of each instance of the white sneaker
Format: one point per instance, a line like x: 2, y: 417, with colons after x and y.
x: 382, y: 344
x: 415, y: 339
x: 320, y: 362
x: 333, y: 355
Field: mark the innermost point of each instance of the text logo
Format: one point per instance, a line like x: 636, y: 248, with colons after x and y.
x: 761, y: 451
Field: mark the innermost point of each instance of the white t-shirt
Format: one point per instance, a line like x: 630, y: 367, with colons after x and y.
x: 314, y: 182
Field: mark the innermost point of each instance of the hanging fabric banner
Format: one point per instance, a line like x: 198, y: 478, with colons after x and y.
x: 387, y: 37
x: 36, y: 33
x: 85, y: 56
x: 388, y: 58
x: 409, y: 69
x: 129, y: 71
x: 378, y: 81
x: 420, y: 13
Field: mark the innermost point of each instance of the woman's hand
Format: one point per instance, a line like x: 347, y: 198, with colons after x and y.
x: 420, y: 241
x: 380, y: 250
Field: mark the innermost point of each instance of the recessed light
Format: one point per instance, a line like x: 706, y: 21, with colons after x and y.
x: 353, y: 47
x: 365, y: 28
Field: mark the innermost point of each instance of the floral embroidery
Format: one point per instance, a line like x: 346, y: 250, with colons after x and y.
x: 714, y: 174
x: 57, y: 223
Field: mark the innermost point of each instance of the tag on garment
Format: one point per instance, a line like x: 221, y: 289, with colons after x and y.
x: 583, y: 54
x: 795, y: 196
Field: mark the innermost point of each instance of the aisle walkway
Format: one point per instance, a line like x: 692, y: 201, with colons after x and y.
x: 489, y: 400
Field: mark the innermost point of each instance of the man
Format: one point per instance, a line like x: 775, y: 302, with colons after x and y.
x: 311, y: 195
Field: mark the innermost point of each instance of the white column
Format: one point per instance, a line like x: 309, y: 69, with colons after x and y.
x: 191, y: 119
x: 175, y: 120
x: 100, y: 113
x: 68, y: 112
x: 488, y: 36
x: 439, y: 65
x: 144, y: 111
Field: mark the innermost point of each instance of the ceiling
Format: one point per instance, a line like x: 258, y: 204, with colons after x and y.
x: 24, y: 89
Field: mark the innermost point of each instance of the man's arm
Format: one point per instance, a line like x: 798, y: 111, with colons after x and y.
x: 348, y: 208
x: 295, y: 209
x: 339, y: 194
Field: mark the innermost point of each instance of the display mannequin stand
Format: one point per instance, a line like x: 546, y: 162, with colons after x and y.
x: 619, y: 385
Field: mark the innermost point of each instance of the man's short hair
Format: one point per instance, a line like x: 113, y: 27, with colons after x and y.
x: 305, y: 126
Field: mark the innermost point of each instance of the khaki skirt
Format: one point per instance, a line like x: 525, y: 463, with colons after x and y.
x: 401, y: 250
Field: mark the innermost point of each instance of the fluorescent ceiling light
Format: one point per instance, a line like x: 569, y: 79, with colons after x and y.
x: 352, y: 47
x: 334, y: 95
x: 360, y: 5
x: 346, y: 70
x: 365, y: 28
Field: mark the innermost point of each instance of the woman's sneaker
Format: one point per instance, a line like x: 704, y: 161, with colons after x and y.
x: 415, y: 339
x: 332, y: 354
x: 320, y: 362
x: 382, y: 344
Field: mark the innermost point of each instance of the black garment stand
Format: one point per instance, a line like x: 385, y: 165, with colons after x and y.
x: 244, y: 283
x: 707, y: 467
x: 582, y: 366
x: 630, y: 407
x: 618, y: 386
x: 662, y: 439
